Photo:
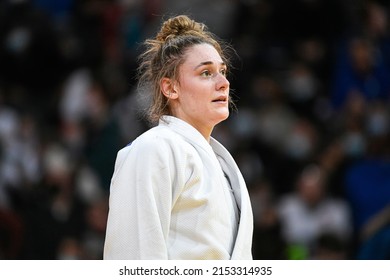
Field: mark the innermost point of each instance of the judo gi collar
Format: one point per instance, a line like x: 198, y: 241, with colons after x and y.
x: 187, y: 131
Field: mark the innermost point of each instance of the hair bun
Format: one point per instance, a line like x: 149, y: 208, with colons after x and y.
x: 178, y: 26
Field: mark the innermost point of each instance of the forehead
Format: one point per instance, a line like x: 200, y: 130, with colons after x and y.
x: 202, y: 53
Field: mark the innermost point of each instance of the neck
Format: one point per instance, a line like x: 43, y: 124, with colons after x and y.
x: 204, y: 130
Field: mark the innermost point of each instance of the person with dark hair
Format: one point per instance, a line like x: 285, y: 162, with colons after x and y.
x: 176, y: 192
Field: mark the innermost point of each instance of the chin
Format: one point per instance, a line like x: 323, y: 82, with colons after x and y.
x: 222, y: 117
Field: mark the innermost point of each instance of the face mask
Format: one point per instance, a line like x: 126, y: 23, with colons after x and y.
x: 298, y: 146
x: 301, y: 87
x: 377, y: 124
x: 18, y: 40
x: 354, y: 144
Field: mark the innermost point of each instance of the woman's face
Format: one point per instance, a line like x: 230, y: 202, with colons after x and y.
x: 202, y: 93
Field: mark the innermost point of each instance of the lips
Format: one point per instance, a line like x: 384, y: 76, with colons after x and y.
x: 222, y: 98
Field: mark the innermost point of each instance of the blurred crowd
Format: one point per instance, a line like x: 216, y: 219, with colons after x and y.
x: 310, y: 133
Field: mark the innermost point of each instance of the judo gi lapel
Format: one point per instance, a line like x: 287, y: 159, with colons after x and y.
x: 245, y: 228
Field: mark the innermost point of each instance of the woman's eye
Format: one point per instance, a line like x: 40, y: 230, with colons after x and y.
x: 206, y: 73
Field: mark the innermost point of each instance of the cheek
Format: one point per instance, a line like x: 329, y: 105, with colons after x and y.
x: 195, y: 94
x: 192, y: 93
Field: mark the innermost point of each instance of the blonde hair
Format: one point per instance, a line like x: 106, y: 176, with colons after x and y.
x: 165, y: 53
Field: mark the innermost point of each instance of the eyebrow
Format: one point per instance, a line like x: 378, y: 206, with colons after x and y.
x: 208, y: 63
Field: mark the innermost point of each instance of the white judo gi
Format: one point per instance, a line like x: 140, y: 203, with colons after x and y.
x: 168, y: 199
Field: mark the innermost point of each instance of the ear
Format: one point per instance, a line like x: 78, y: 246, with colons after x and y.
x: 168, y: 88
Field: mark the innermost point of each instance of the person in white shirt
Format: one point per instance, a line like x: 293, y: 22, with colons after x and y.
x: 309, y: 212
x: 176, y: 192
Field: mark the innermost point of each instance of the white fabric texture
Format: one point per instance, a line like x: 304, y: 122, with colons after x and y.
x: 168, y: 198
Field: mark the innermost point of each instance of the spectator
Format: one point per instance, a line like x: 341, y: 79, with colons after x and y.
x: 308, y: 212
x: 360, y: 71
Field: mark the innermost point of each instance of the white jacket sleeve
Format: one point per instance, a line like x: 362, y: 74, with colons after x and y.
x: 140, y: 202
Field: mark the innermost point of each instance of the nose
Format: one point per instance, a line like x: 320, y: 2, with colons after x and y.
x: 222, y: 82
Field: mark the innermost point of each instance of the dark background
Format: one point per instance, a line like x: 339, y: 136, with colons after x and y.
x: 311, y: 131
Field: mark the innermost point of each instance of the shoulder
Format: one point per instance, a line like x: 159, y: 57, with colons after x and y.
x: 158, y: 140
x: 159, y: 136
x: 157, y: 150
